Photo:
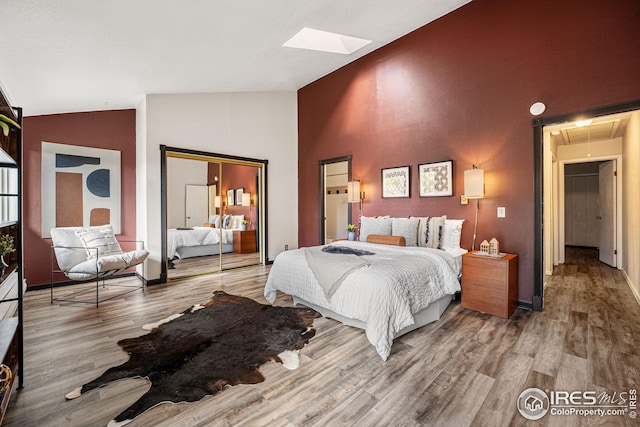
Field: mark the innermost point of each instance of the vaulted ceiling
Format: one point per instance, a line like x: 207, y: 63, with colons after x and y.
x: 84, y: 55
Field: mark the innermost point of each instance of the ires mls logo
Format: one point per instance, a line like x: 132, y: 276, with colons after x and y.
x: 533, y: 403
x: 573, y: 398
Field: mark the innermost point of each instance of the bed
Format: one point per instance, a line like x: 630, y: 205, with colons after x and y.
x: 202, y: 241
x: 397, y: 290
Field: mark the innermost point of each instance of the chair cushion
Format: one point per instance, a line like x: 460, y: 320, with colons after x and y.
x: 101, y: 238
x: 106, y: 265
x: 68, y: 248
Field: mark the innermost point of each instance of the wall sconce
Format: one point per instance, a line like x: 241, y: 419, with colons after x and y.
x: 474, y: 189
x: 246, y: 201
x: 355, y: 195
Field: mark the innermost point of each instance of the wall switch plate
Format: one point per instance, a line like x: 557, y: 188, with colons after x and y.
x: 502, y: 212
x: 464, y: 200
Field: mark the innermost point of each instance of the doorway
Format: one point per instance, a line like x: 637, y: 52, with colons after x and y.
x: 335, y: 211
x: 590, y: 208
x: 550, y: 158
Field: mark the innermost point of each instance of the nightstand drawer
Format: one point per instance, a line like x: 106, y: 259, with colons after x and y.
x: 490, y: 285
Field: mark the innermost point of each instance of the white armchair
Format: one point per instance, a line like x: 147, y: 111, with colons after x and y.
x: 93, y: 253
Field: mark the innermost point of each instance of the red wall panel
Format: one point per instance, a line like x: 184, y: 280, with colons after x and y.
x: 113, y: 130
x: 460, y: 88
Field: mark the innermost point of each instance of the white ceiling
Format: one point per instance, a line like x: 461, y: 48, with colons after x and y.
x: 86, y: 55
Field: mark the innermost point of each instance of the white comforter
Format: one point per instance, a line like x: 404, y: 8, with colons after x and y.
x: 196, y: 237
x: 399, y: 282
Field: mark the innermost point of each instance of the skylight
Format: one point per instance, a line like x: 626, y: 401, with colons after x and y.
x: 324, y: 41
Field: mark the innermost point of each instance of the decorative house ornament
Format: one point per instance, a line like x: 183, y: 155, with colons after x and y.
x: 484, y: 247
x: 494, y: 247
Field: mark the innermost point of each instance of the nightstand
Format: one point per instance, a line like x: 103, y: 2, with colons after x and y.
x: 490, y: 285
x: 244, y: 241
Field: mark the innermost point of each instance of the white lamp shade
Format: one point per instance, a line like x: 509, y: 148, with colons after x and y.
x: 217, y: 201
x: 474, y: 183
x: 246, y: 199
x: 353, y: 191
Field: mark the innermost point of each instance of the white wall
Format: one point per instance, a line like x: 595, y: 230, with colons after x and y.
x: 181, y: 172
x: 631, y: 203
x: 141, y: 179
x: 260, y: 125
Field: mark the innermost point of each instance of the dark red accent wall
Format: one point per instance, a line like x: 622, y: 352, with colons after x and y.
x: 460, y: 88
x: 238, y: 176
x: 113, y: 130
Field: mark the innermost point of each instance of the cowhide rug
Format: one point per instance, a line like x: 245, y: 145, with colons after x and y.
x: 207, y: 347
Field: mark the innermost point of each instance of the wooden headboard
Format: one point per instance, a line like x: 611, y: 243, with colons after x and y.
x: 386, y: 240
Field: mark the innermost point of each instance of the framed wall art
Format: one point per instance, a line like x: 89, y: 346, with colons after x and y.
x: 230, y: 197
x: 80, y: 187
x: 396, y: 182
x: 239, y: 192
x: 436, y: 179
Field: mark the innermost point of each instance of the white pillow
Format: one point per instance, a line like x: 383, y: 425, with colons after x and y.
x: 106, y: 265
x: 430, y: 231
x: 374, y: 225
x: 406, y: 227
x: 451, y: 233
x: 215, y: 220
x: 226, y: 221
x: 103, y: 238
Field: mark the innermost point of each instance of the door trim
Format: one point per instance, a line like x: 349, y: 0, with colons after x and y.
x: 618, y: 203
x: 165, y: 152
x: 321, y: 190
x: 538, y: 182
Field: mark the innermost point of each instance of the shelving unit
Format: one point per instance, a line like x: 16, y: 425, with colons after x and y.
x: 11, y: 278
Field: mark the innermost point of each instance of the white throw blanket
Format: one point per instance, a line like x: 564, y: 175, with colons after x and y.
x: 330, y: 269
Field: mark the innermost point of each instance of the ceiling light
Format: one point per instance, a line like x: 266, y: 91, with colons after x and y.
x: 537, y: 108
x: 582, y: 123
x: 324, y: 41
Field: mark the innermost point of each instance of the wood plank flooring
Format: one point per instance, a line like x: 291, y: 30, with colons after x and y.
x: 465, y: 370
x: 210, y: 264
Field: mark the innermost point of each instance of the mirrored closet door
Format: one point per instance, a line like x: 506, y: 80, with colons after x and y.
x: 213, y: 212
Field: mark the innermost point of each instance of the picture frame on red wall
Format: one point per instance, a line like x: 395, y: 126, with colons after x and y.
x: 436, y: 179
x: 396, y: 182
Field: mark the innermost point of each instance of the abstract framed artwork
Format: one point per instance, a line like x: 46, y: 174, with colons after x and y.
x: 396, y: 182
x: 230, y: 197
x: 239, y: 192
x: 436, y: 179
x: 80, y: 187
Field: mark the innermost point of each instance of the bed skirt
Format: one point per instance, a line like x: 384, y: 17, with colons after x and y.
x: 202, y: 250
x: 425, y: 316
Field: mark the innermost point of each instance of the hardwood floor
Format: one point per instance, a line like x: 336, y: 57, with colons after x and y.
x: 209, y: 264
x: 466, y: 369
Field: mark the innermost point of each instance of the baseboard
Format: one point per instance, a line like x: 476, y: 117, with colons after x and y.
x: 73, y: 282
x: 633, y: 290
x: 154, y: 282
x: 525, y: 305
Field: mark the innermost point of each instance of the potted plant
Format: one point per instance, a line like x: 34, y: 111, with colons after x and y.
x: 5, y: 122
x: 6, y: 247
x: 244, y: 224
x: 351, y: 232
